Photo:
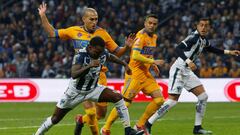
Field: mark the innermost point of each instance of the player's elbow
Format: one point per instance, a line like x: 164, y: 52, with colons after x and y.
x: 135, y: 55
x: 74, y: 75
x: 51, y: 33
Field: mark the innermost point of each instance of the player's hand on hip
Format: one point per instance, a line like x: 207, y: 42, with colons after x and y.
x: 42, y: 8
x: 192, y: 66
x: 94, y: 63
x: 130, y: 40
x: 235, y: 52
x: 128, y: 70
x: 159, y: 62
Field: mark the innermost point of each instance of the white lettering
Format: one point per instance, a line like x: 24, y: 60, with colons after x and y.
x: 21, y: 91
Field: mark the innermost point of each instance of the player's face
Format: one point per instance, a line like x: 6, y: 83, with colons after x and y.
x: 90, y: 20
x: 95, y: 51
x: 203, y: 27
x: 151, y: 24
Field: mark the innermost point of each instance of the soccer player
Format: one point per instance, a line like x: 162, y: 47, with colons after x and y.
x: 182, y: 76
x: 80, y: 36
x: 141, y: 79
x: 83, y: 86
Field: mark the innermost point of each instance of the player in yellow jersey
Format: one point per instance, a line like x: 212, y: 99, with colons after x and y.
x: 141, y: 60
x: 80, y: 36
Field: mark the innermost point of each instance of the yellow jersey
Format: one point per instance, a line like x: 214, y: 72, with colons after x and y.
x: 80, y: 38
x: 146, y: 45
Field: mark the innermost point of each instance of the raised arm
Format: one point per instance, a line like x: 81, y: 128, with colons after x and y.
x: 46, y: 25
x: 128, y: 44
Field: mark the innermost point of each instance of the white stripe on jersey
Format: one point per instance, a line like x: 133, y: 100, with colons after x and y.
x: 194, y: 46
x: 87, y: 82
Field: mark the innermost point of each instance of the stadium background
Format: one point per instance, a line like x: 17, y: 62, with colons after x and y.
x: 27, y: 52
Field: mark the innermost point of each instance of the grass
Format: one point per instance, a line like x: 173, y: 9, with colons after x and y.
x: 25, y: 118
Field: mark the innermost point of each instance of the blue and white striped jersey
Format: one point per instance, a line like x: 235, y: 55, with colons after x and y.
x: 194, y: 45
x: 88, y: 81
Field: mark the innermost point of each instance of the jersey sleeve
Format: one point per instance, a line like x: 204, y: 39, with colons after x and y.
x: 110, y: 44
x: 64, y: 34
x: 138, y: 44
x: 78, y: 58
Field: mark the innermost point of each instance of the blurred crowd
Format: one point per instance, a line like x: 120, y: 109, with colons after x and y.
x: 27, y: 52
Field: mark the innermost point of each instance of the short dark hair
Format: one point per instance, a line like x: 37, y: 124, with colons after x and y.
x: 203, y: 19
x: 97, y: 41
x: 151, y: 15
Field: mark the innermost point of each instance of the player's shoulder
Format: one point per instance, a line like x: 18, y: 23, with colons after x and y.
x: 141, y: 33
x: 193, y: 36
x: 76, y: 27
x: 82, y: 52
x: 100, y: 29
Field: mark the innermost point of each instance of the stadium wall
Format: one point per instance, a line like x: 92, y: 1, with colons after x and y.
x: 50, y: 90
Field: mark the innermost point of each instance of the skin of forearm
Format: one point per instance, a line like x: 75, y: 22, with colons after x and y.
x: 47, y: 26
x: 121, y: 51
x: 115, y: 59
x: 79, y: 71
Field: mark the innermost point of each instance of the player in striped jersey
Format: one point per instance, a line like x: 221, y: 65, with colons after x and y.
x: 182, y: 76
x: 80, y: 36
x: 83, y: 86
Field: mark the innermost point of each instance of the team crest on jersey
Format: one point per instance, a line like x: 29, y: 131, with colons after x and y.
x: 79, y: 34
x: 179, y: 88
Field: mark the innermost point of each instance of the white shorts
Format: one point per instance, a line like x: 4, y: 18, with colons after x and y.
x: 181, y: 77
x: 71, y: 98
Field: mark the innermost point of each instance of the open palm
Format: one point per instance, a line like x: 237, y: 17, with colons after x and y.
x: 42, y: 8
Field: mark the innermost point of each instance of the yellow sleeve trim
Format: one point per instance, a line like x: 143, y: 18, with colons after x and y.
x: 139, y: 57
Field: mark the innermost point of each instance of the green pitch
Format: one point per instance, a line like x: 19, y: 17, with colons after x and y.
x: 24, y: 119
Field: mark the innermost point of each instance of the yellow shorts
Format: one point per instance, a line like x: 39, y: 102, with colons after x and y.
x: 133, y: 86
x: 103, y: 81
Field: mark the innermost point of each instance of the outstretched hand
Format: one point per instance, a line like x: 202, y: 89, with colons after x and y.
x: 235, y: 52
x: 42, y: 9
x: 130, y: 40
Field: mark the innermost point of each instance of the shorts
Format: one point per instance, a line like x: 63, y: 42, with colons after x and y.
x: 71, y: 98
x: 180, y: 78
x: 133, y: 86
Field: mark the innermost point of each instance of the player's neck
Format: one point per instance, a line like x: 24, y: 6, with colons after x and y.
x: 149, y: 33
x: 87, y: 30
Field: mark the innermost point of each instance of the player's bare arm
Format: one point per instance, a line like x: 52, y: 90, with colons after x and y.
x: 232, y: 52
x: 159, y: 62
x: 128, y: 44
x: 156, y: 69
x: 46, y: 25
x: 115, y: 59
x: 78, y: 70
